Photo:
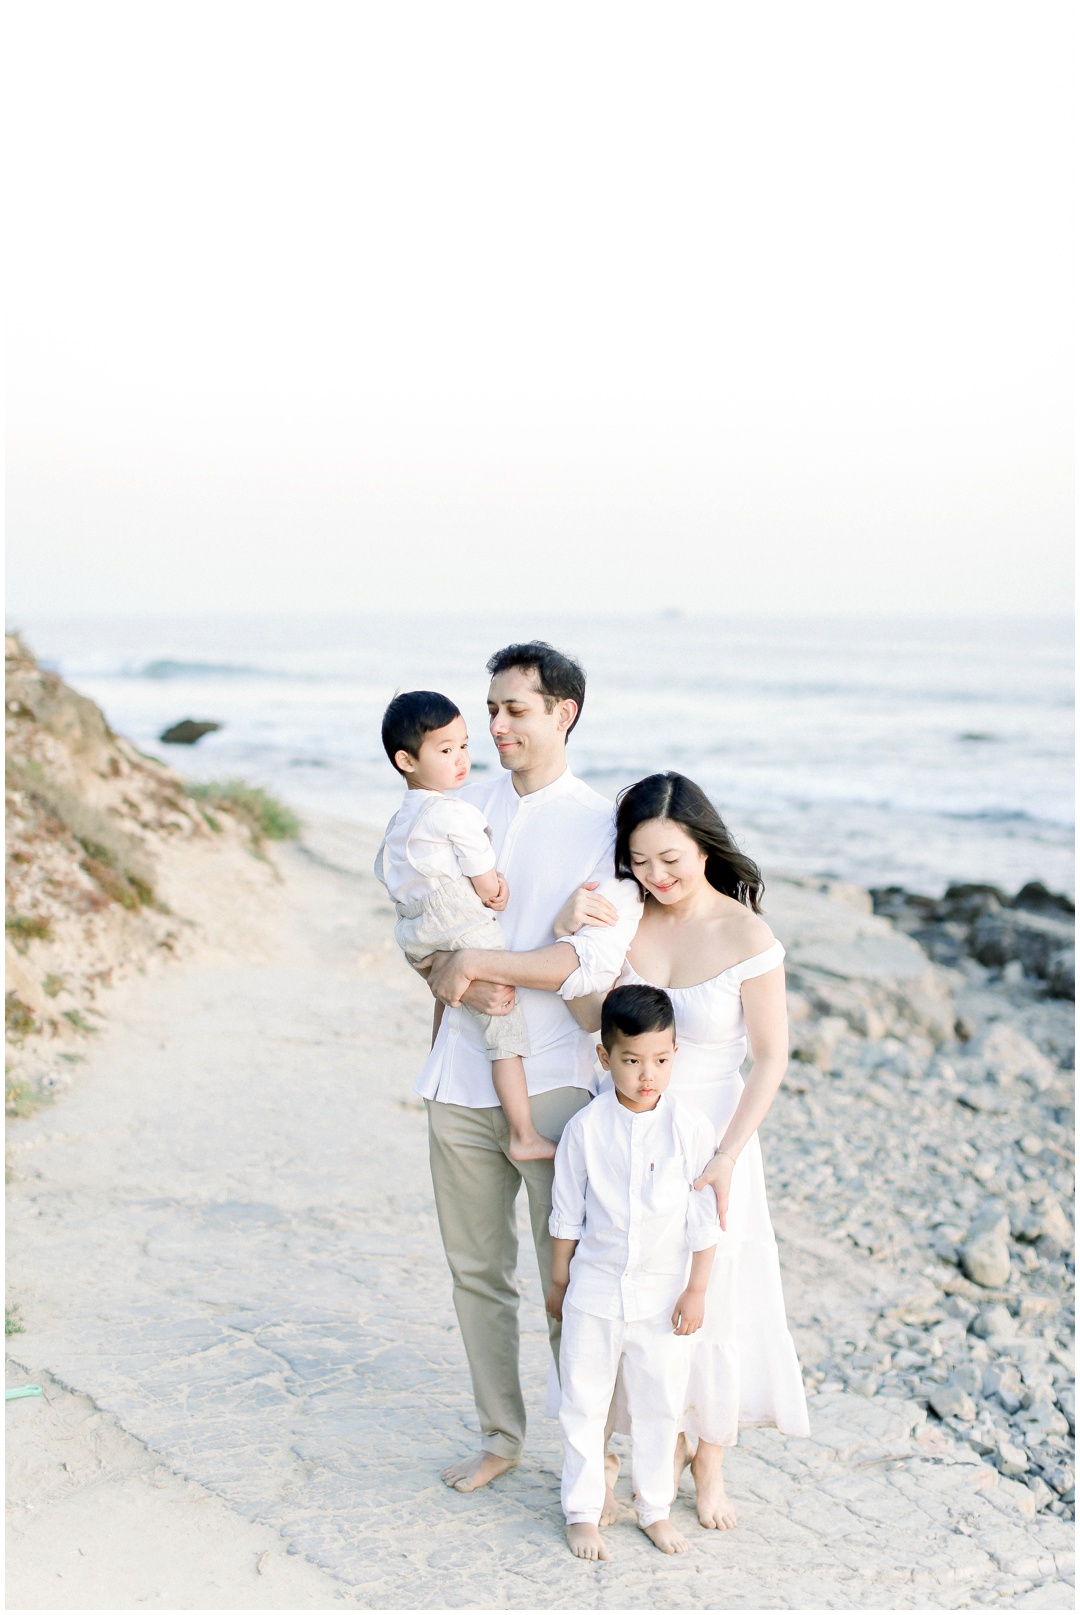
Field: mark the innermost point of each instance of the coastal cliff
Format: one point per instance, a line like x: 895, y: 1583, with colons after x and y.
x: 113, y: 867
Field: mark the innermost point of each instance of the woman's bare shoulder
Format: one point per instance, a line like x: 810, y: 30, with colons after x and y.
x: 750, y: 931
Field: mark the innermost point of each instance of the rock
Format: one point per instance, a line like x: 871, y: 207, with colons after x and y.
x: 998, y: 936
x: 1061, y: 974
x: 968, y: 1377
x: 815, y: 1041
x: 1066, y: 1401
x: 1005, y: 1054
x: 1044, y: 1416
x: 1037, y: 899
x: 984, y: 1256
x: 1041, y: 1491
x: 187, y: 732
x: 1011, y: 1460
x: 952, y: 1402
x: 1060, y: 1476
x: 958, y: 1307
x: 968, y: 903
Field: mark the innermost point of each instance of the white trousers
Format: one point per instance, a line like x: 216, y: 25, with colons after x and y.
x: 655, y: 1368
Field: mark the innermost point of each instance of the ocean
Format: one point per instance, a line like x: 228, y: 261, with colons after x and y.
x: 916, y: 752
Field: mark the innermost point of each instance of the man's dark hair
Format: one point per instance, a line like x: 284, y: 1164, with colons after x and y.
x: 629, y: 1011
x: 410, y: 717
x: 559, y: 677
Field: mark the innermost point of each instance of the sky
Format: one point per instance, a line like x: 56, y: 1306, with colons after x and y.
x: 360, y: 307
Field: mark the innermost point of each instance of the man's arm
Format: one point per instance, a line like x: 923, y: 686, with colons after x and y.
x: 451, y: 974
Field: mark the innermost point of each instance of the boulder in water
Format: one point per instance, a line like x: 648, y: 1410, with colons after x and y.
x: 187, y: 732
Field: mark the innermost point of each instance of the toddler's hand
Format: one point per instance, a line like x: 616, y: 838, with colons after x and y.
x: 689, y: 1313
x: 498, y: 902
x: 554, y: 1300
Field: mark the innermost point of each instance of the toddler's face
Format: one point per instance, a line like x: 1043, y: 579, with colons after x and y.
x: 443, y: 761
x: 640, y: 1067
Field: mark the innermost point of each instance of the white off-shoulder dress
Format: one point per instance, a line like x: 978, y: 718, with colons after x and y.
x: 746, y: 1371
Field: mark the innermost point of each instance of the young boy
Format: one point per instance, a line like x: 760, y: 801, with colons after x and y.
x: 626, y: 1223
x: 436, y: 861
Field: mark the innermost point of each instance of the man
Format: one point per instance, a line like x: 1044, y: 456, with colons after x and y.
x: 553, y: 838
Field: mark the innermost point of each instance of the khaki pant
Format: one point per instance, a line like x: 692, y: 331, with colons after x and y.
x: 476, y: 1184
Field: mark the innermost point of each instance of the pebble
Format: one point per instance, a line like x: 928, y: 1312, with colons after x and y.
x: 952, y: 1402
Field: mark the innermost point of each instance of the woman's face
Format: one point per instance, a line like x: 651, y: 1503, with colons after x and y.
x: 668, y: 863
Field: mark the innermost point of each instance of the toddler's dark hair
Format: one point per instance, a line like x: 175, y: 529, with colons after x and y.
x: 629, y: 1011
x: 410, y: 717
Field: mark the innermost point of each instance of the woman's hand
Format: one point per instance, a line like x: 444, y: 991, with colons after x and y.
x: 584, y: 907
x: 717, y: 1177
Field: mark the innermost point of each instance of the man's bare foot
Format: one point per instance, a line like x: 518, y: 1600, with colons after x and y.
x: 586, y: 1542
x: 713, y: 1509
x: 610, y: 1511
x: 472, y: 1473
x: 531, y: 1147
x: 664, y: 1536
x: 684, y: 1453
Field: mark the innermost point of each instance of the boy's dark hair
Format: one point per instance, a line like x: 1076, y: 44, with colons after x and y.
x: 560, y: 678
x: 629, y: 1011
x: 410, y: 717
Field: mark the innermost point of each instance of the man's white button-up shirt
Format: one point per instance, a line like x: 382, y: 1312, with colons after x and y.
x: 624, y: 1190
x: 547, y: 844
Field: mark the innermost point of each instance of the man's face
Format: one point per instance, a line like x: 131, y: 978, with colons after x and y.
x: 526, y: 733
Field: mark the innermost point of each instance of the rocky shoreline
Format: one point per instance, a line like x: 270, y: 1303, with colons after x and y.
x: 927, y: 1119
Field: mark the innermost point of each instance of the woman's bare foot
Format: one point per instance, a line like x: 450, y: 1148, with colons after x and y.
x: 610, y: 1511
x: 664, y: 1536
x: 586, y: 1542
x: 472, y: 1473
x: 684, y: 1453
x: 713, y: 1509
x: 531, y: 1147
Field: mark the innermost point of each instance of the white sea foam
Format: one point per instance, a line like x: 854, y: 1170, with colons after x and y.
x: 915, y: 751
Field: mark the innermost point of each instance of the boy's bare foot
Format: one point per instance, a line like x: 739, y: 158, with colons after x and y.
x: 684, y: 1453
x: 586, y: 1542
x: 472, y: 1473
x: 713, y: 1508
x: 531, y: 1147
x: 610, y: 1511
x: 664, y: 1536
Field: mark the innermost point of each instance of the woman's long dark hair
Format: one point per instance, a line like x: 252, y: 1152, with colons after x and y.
x: 677, y: 799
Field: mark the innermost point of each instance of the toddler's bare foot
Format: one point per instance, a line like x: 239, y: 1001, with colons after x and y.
x: 664, y: 1536
x: 684, y: 1453
x: 610, y: 1511
x: 531, y: 1147
x: 472, y: 1473
x: 713, y: 1508
x: 586, y: 1542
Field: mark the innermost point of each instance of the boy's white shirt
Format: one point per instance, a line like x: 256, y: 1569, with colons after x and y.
x: 433, y: 838
x: 547, y: 844
x: 624, y: 1190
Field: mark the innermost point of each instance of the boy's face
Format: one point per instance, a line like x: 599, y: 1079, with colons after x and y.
x: 442, y: 763
x: 526, y: 734
x: 640, y: 1067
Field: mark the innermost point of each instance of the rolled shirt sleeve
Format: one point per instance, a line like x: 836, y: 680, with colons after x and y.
x: 601, y: 949
x: 567, y: 1220
x: 466, y: 829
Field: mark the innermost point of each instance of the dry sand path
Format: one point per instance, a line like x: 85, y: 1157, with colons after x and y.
x: 224, y: 1244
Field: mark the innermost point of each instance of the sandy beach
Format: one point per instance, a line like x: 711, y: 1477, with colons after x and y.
x: 223, y: 1243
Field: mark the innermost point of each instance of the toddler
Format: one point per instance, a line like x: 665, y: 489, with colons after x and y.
x: 437, y: 862
x: 626, y: 1224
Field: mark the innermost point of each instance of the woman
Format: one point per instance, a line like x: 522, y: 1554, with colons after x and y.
x: 700, y: 936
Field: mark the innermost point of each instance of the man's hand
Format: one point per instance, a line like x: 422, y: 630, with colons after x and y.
x: 554, y: 1299
x: 498, y: 902
x: 584, y: 907
x: 449, y: 977
x: 489, y: 997
x: 689, y: 1313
